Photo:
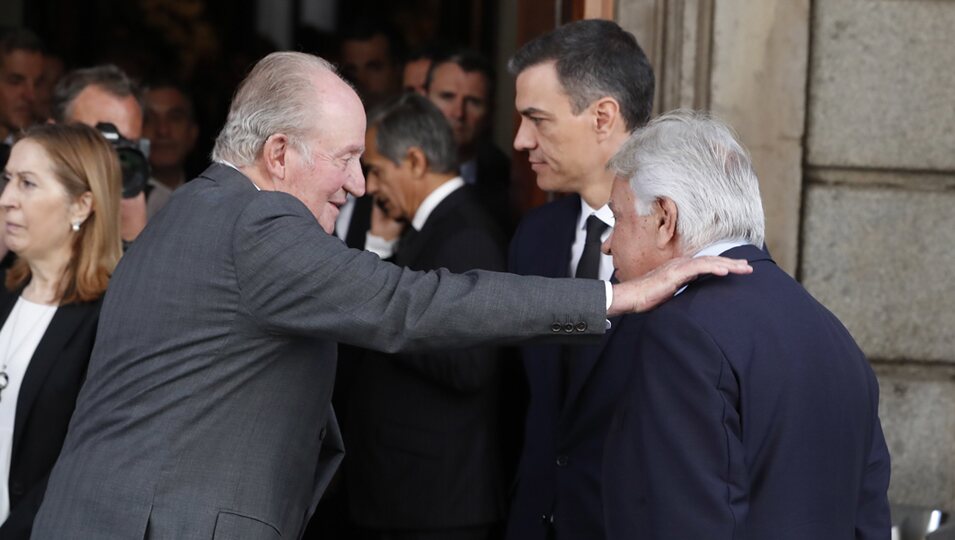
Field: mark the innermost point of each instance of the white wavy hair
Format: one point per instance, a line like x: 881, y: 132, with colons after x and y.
x: 697, y: 162
x: 277, y: 96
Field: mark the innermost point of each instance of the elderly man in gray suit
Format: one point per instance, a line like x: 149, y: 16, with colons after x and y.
x: 207, y: 399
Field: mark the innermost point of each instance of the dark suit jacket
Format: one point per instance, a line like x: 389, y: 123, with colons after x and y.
x: 751, y: 414
x: 423, y: 437
x: 559, y: 477
x: 205, y: 413
x: 44, y: 405
x: 493, y: 186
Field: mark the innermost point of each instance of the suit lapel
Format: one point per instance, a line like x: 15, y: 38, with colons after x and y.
x: 554, y: 250
x: 64, y: 324
x: 409, y: 252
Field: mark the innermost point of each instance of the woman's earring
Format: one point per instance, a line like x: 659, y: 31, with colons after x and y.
x: 76, y: 226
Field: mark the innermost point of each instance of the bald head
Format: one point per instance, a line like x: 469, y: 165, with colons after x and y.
x: 286, y: 92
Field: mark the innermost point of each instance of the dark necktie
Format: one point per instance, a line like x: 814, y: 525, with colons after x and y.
x: 589, y: 264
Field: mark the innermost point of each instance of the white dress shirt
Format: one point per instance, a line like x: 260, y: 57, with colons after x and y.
x: 577, y: 248
x: 386, y: 248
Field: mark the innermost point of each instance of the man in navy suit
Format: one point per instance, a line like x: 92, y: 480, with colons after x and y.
x: 581, y: 90
x: 750, y: 412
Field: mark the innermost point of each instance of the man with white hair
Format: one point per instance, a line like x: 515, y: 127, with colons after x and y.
x: 750, y: 412
x: 205, y: 413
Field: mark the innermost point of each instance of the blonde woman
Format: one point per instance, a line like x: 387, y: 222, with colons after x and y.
x: 61, y: 218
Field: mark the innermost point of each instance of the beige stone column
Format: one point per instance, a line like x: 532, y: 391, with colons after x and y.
x: 747, y: 63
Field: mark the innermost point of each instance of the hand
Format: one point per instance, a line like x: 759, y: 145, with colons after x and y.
x: 132, y: 217
x: 383, y: 226
x: 660, y: 284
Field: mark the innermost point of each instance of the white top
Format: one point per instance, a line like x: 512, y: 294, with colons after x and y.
x: 386, y: 248
x: 21, y: 333
x: 577, y: 249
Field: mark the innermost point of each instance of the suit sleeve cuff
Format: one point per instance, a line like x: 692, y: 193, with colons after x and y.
x: 609, y: 288
x: 379, y: 246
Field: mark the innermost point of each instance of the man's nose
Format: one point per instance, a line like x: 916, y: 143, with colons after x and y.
x: 524, y: 140
x: 605, y: 245
x: 457, y: 109
x: 355, y: 180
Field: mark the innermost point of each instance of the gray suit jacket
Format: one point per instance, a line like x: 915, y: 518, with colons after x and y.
x: 207, y: 399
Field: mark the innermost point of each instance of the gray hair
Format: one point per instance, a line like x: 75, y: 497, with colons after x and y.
x: 411, y: 120
x: 594, y: 58
x: 277, y: 96
x: 107, y: 77
x: 697, y: 162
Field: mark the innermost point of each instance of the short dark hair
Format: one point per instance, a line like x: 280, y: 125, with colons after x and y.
x: 19, y: 39
x: 470, y: 62
x: 107, y: 76
x: 366, y: 29
x: 595, y: 58
x: 412, y: 120
x: 159, y: 82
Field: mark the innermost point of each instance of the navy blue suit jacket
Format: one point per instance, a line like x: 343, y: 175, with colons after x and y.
x: 559, y: 476
x: 751, y: 414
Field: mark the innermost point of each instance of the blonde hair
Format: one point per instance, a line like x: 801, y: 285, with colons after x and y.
x: 82, y: 160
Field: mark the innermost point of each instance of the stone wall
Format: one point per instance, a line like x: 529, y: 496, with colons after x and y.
x: 879, y: 217
x: 848, y: 108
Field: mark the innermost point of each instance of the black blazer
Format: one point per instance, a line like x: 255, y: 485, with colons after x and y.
x: 423, y: 432
x: 45, y: 404
x: 751, y: 414
x: 558, y: 482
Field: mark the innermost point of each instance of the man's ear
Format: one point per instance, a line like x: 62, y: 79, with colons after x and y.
x: 417, y: 161
x: 665, y: 213
x: 606, y: 112
x: 274, y: 155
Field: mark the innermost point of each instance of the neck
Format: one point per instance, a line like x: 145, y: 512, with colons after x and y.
x: 596, y: 192
x: 171, y: 177
x: 258, y: 175
x: 467, y: 153
x: 45, y: 278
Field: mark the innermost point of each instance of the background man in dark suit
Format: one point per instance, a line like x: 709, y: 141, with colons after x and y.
x: 580, y: 90
x: 434, y: 417
x: 751, y: 412
x: 205, y: 413
x: 461, y: 84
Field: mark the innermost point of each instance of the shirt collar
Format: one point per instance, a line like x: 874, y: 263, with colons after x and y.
x: 716, y: 248
x: 433, y: 200
x: 603, y: 213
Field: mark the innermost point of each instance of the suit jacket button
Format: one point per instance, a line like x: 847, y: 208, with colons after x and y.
x: 547, y: 519
x: 561, y: 460
x: 555, y: 327
x: 581, y: 327
x: 322, y: 433
x: 569, y: 327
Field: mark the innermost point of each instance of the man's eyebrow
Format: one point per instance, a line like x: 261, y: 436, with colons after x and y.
x: 532, y: 110
x: 354, y: 149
